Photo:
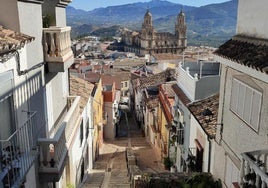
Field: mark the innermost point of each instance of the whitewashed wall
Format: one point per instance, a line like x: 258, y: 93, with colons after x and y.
x: 252, y: 18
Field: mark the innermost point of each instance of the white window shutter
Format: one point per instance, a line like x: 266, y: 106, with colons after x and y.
x: 256, y: 107
x: 247, y: 105
x: 234, y: 95
x: 241, y: 99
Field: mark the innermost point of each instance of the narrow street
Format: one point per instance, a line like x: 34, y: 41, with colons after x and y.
x: 110, y: 169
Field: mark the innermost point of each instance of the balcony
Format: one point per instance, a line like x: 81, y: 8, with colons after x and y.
x: 54, y: 151
x: 57, y: 48
x: 18, y: 153
x: 253, y: 172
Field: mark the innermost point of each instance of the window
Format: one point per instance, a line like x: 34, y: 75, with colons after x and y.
x: 125, y: 84
x: 122, y: 84
x: 87, y: 128
x: 180, y: 133
x: 81, y: 132
x: 246, y: 103
x: 7, y: 117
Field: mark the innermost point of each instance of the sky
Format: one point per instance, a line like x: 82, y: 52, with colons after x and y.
x: 92, y: 4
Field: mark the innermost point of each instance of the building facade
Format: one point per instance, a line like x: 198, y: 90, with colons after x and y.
x: 43, y: 124
x: 149, y: 41
x: 241, y: 149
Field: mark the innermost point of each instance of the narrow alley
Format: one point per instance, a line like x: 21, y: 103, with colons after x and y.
x: 110, y: 169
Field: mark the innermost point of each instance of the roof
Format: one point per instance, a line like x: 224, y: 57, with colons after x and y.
x: 181, y: 95
x: 167, y: 88
x: 123, y: 74
x: 11, y: 40
x: 128, y: 62
x: 134, y: 76
x: 144, y: 70
x: 154, y: 79
x: 152, y: 102
x: 167, y: 56
x: 109, y: 80
x: 247, y: 51
x: 82, y: 88
x: 91, y: 77
x: 205, y: 112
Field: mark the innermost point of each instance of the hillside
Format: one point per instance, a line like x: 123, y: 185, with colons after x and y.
x: 211, y: 24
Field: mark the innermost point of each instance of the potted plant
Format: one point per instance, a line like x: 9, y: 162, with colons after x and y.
x: 168, y: 163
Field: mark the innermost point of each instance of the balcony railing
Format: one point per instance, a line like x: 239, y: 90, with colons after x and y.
x: 18, y: 153
x: 54, y: 151
x: 253, y: 170
x: 57, y: 48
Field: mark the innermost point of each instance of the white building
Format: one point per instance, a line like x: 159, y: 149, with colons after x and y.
x: 81, y: 151
x: 241, y: 150
x: 41, y: 121
x: 203, y: 125
x: 195, y: 81
x: 20, y: 89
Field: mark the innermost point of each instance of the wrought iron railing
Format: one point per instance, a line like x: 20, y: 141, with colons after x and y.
x: 18, y: 153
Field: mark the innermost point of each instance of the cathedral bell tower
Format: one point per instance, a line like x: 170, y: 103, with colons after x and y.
x: 180, y: 30
x: 147, y: 31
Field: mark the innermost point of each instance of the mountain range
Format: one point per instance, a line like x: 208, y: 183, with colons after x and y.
x: 206, y: 25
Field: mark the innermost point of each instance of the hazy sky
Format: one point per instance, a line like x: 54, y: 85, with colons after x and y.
x: 92, y: 4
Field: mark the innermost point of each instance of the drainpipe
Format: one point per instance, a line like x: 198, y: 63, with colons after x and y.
x: 209, y: 153
x: 23, y: 72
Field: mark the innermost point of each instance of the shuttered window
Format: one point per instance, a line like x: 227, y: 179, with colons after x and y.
x: 246, y: 103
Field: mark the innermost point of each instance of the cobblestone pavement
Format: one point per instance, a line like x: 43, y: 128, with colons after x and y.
x: 110, y: 169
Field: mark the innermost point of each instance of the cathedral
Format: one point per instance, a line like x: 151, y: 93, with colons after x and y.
x: 149, y: 41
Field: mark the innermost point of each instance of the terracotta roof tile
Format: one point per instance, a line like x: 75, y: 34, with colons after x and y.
x: 11, y: 40
x: 92, y: 77
x: 123, y: 74
x: 82, y: 88
x: 167, y: 56
x: 167, y: 87
x: 152, y: 102
x: 134, y: 76
x: 155, y: 79
x: 127, y: 62
x: 246, y: 51
x: 207, y: 122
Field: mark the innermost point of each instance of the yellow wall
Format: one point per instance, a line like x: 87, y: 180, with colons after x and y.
x: 97, y: 117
